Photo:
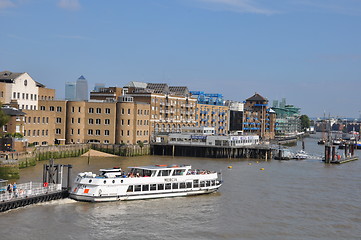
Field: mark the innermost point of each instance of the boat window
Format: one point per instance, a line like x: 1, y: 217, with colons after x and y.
x: 189, y: 184
x: 121, y: 181
x: 153, y: 187
x: 154, y: 173
x: 90, y: 180
x: 137, y: 188
x: 105, y: 181
x: 202, y: 184
x: 178, y: 172
x: 145, y: 187
x: 164, y: 173
x: 130, y: 188
x: 160, y: 186
x: 195, y: 183
x: 208, y: 183
x: 175, y: 186
x: 213, y: 182
x: 168, y: 186
x: 113, y: 181
x: 147, y: 173
x: 182, y: 185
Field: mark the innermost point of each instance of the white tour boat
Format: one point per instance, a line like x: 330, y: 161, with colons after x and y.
x: 156, y: 181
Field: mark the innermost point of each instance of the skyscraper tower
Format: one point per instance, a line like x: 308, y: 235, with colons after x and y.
x: 70, y: 91
x: 82, y: 89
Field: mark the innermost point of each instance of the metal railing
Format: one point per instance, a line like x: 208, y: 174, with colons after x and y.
x: 27, y: 190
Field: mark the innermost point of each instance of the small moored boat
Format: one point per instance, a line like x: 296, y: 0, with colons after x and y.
x: 156, y: 181
x: 300, y: 155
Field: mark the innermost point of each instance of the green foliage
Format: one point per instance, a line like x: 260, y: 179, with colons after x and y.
x: 4, y: 119
x: 140, y: 144
x: 305, y: 122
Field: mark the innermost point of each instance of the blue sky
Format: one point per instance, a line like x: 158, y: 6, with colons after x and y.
x: 307, y: 51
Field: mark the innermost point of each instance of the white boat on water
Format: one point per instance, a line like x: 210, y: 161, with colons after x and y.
x: 156, y: 181
x: 300, y: 155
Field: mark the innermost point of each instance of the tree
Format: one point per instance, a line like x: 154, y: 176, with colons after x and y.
x: 305, y: 122
x: 4, y: 119
x: 140, y: 144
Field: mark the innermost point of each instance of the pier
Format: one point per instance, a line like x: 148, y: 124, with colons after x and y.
x: 254, y: 151
x: 333, y: 158
x: 31, y: 193
x: 34, y: 192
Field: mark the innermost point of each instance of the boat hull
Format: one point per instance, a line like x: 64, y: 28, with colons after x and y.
x: 141, y: 196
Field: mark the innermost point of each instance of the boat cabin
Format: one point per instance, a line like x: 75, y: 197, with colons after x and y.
x: 158, y: 171
x: 110, y: 172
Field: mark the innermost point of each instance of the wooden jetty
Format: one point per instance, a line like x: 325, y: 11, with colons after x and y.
x: 253, y: 151
x: 31, y: 193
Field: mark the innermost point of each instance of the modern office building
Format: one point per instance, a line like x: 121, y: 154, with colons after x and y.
x: 70, y: 91
x: 82, y: 89
x: 287, y: 118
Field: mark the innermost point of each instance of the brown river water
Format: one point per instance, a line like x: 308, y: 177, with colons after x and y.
x: 287, y: 200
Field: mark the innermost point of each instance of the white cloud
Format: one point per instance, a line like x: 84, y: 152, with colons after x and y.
x: 69, y: 4
x: 241, y: 6
x: 6, y: 4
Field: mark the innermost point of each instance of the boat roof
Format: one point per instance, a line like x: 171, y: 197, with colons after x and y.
x: 110, y: 170
x: 157, y: 167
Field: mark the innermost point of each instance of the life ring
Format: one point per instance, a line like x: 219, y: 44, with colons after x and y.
x: 45, y: 184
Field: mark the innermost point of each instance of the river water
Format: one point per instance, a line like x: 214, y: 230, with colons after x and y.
x: 287, y: 200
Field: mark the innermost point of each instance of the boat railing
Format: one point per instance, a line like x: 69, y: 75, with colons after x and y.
x: 30, y: 189
x: 199, y: 172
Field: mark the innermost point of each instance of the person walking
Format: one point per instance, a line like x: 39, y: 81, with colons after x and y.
x: 15, y: 189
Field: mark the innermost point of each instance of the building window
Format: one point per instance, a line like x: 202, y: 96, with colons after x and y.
x: 90, y: 132
x: 72, y: 109
x: 99, y: 110
x: 52, y: 108
x: 128, y: 122
x: 71, y: 131
x: 14, y: 95
x: 128, y: 132
x: 91, y: 110
x: 128, y: 111
x: 122, y: 110
x: 58, y: 120
x: 23, y: 95
x: 42, y: 108
x: 79, y: 109
x: 72, y: 120
x: 57, y: 131
x: 122, y: 122
x: 106, y: 132
x: 58, y: 109
x: 107, y: 110
x: 46, y: 132
x: 97, y: 121
x: 97, y: 132
x: 107, y: 121
x: 78, y: 131
x: 91, y: 121
x: 78, y: 120
x: 35, y: 97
